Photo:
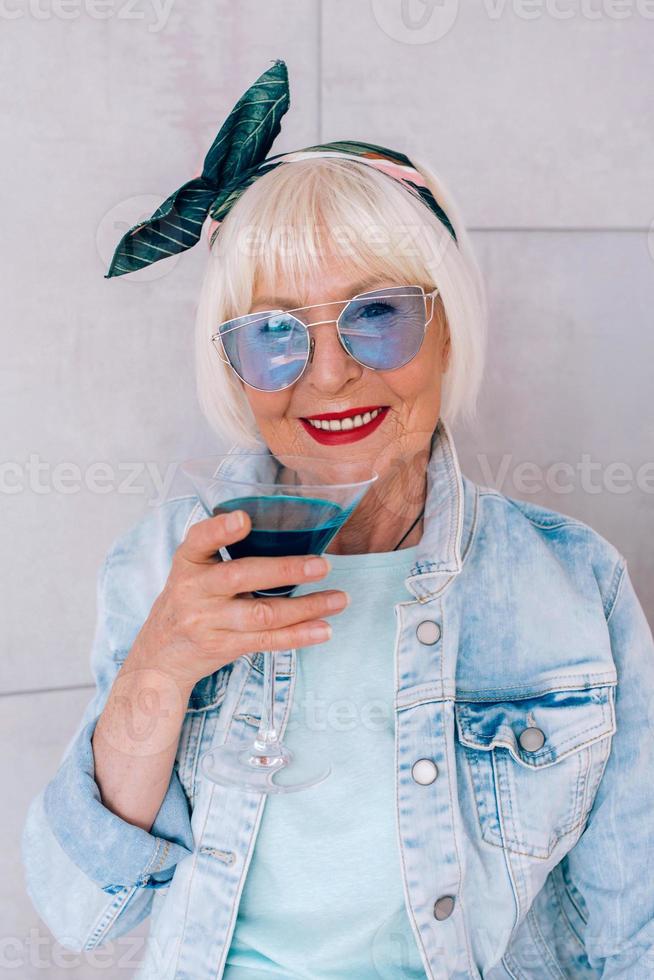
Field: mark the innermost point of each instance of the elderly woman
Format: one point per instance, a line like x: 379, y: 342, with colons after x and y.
x: 477, y: 669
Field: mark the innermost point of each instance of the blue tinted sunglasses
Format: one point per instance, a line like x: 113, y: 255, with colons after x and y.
x: 383, y: 330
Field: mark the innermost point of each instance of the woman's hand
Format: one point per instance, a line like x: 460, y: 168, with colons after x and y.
x: 203, y: 618
x: 200, y: 621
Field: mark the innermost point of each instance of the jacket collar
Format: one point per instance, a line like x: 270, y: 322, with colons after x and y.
x: 447, y: 521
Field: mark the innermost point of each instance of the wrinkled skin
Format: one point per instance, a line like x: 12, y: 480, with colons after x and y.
x: 398, y: 449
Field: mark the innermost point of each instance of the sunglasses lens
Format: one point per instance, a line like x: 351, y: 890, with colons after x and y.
x: 267, y: 351
x: 384, y: 329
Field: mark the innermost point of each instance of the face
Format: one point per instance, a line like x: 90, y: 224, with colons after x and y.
x: 407, y: 400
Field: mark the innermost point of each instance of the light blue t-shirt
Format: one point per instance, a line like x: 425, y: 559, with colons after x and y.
x: 323, y: 896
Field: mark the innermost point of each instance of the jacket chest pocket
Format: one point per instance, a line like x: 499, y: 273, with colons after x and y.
x: 536, y: 763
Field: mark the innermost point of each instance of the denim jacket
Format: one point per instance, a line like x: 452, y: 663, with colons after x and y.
x: 524, y: 676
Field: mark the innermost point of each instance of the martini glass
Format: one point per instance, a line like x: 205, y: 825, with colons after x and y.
x: 296, y: 504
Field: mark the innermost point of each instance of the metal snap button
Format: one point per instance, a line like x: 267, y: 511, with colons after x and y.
x: 428, y: 632
x: 531, y: 739
x: 424, y: 771
x: 443, y: 906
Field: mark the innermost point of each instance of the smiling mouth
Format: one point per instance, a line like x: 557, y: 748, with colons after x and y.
x: 341, y: 422
x: 354, y: 423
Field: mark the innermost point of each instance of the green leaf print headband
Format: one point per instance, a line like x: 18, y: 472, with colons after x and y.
x: 235, y: 160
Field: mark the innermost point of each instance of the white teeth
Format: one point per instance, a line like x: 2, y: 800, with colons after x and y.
x: 344, y: 424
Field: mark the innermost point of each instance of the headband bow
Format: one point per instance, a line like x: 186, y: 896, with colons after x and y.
x: 238, y: 157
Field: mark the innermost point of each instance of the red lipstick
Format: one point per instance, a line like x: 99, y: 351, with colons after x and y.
x: 326, y: 437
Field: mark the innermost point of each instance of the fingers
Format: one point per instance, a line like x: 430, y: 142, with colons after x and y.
x: 299, y: 635
x: 258, y: 614
x: 206, y: 537
x: 250, y: 574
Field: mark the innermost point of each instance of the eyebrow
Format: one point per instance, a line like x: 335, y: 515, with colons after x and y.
x: 284, y: 301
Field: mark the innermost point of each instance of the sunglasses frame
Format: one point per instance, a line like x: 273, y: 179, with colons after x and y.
x: 222, y: 353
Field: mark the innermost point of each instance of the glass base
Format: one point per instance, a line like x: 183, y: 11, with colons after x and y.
x: 270, y: 770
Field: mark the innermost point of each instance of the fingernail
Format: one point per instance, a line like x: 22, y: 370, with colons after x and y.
x: 235, y: 520
x: 323, y: 632
x: 316, y: 566
x: 337, y: 600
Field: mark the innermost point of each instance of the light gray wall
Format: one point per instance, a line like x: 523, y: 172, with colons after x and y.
x: 540, y: 123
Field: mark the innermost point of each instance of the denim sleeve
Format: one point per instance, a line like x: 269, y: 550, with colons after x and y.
x: 85, y: 866
x: 612, y: 864
x: 78, y: 913
x: 108, y: 849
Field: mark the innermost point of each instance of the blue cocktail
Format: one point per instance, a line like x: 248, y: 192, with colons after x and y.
x: 285, y: 525
x: 296, y: 506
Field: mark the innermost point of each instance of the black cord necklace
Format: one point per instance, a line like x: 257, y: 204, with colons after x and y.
x: 405, y: 536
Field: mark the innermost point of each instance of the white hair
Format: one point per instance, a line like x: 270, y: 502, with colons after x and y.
x: 280, y: 225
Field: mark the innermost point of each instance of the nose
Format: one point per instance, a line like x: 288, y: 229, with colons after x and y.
x: 330, y: 367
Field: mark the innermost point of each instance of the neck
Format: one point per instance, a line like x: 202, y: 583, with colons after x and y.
x: 383, y: 516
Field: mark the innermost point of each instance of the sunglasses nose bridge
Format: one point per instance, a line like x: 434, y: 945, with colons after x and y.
x: 335, y: 337
x: 319, y: 323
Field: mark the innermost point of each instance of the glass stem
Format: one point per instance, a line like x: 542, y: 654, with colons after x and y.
x: 267, y: 734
